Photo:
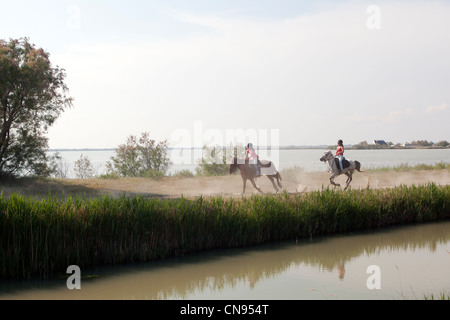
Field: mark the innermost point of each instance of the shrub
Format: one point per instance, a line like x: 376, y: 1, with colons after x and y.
x: 141, y: 157
x: 213, y: 162
x: 83, y: 168
x: 184, y: 174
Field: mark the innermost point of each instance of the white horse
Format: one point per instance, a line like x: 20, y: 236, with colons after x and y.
x: 333, y: 167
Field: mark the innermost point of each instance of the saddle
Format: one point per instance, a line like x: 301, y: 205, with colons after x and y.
x: 345, y: 163
x: 268, y: 164
x: 260, y: 165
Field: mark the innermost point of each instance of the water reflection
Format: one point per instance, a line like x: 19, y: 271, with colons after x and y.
x: 251, y: 273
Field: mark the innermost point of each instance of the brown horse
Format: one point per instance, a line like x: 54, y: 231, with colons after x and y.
x: 248, y: 172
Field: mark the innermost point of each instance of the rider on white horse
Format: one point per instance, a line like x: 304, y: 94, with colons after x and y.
x: 340, y: 153
x: 333, y: 166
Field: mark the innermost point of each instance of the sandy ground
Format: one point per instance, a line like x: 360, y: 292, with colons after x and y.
x: 232, y: 185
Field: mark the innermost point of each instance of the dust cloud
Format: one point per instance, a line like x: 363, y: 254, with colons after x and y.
x: 232, y: 185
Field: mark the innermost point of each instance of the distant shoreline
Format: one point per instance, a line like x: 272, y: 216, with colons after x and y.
x: 349, y: 147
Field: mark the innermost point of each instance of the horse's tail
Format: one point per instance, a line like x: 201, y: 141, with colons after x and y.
x: 358, y: 166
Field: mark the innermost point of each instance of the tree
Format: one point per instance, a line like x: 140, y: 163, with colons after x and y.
x: 154, y: 155
x: 361, y: 145
x: 83, y: 168
x: 443, y: 143
x: 32, y: 96
x: 59, y: 167
x: 422, y: 143
x: 141, y: 157
x: 215, y: 161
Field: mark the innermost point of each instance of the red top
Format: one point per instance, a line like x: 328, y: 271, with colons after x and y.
x: 251, y: 154
x: 340, y: 151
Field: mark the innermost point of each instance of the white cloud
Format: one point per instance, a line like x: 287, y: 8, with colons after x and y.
x: 433, y: 109
x: 393, y: 116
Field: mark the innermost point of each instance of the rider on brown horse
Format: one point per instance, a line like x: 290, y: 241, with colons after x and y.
x: 253, y: 158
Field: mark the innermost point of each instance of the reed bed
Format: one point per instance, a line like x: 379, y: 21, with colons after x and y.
x: 45, y: 236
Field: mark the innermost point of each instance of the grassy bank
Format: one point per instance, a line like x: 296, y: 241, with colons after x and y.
x: 45, y: 236
x: 405, y: 167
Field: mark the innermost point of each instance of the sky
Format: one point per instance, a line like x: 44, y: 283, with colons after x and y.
x: 284, y: 72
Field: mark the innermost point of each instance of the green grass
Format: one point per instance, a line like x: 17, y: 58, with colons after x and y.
x: 44, y: 236
x: 404, y: 167
x: 442, y: 296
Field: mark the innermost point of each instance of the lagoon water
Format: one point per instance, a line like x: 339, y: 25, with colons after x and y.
x: 307, y: 159
x: 409, y: 262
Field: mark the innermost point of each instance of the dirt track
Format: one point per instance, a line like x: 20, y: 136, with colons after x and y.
x: 232, y: 185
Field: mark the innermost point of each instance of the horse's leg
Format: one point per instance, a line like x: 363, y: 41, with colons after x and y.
x: 273, y: 183
x: 244, y: 181
x: 332, y: 180
x: 278, y: 180
x: 256, y: 187
x: 334, y: 173
x: 349, y: 179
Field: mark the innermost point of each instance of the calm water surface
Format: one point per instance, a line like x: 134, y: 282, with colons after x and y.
x: 413, y: 261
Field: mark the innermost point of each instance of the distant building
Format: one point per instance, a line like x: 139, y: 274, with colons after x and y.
x: 380, y: 142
